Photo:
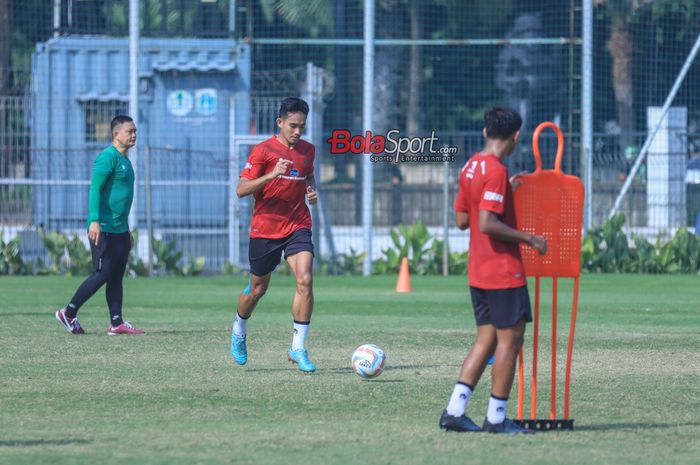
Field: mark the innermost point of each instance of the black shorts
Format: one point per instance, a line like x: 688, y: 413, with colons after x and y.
x: 111, y: 252
x: 265, y: 254
x: 501, y: 307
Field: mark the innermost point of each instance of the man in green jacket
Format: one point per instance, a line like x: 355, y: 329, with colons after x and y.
x: 111, y: 196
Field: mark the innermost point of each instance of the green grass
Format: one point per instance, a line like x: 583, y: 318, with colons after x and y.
x: 174, y: 396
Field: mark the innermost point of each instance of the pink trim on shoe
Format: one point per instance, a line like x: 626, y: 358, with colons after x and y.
x: 124, y: 328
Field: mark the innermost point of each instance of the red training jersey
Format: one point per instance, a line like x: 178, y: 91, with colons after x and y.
x: 484, y: 185
x: 280, y: 206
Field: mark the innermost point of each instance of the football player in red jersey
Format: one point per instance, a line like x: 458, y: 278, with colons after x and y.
x: 280, y: 176
x: 496, y: 275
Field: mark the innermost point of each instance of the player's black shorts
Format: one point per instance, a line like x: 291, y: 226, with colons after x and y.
x: 265, y: 254
x: 501, y: 307
x: 111, y: 252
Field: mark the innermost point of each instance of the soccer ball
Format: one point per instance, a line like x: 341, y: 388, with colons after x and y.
x: 368, y: 361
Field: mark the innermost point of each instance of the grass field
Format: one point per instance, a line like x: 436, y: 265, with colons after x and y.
x: 174, y: 396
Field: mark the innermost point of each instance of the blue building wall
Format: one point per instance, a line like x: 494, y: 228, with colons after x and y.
x: 186, y: 140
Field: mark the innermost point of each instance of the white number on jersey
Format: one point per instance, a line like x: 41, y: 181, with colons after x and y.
x: 472, y: 168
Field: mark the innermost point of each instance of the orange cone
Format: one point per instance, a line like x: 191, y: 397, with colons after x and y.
x: 404, y: 282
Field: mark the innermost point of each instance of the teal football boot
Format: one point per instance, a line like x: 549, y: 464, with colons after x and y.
x: 301, y: 358
x: 239, y: 351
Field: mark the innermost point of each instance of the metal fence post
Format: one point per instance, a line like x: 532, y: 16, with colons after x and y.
x: 367, y: 117
x: 56, y: 18
x: 233, y: 201
x: 134, y: 99
x: 148, y: 188
x: 587, y: 112
x: 445, y: 219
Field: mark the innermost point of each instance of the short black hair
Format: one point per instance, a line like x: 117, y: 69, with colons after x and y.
x: 293, y: 105
x: 119, y: 120
x: 501, y: 123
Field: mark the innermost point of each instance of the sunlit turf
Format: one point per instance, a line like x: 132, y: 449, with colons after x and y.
x: 174, y: 395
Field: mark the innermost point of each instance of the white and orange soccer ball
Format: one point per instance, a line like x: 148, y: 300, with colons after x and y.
x: 368, y: 361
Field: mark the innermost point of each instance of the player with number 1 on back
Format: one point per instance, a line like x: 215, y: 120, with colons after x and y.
x: 497, y: 282
x: 280, y: 176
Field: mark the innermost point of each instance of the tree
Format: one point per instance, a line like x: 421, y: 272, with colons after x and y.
x: 6, y: 20
x: 621, y: 46
x: 621, y: 15
x: 415, y: 71
x: 314, y: 16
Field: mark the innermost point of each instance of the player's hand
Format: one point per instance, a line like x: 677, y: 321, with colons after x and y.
x: 539, y: 244
x: 311, y: 195
x: 280, y: 168
x: 94, y: 232
x: 516, y: 180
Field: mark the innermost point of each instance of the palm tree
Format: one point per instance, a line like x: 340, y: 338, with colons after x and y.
x: 621, y: 47
x: 312, y: 15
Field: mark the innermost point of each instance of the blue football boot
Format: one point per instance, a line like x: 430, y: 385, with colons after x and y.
x: 301, y: 358
x: 239, y: 351
x: 508, y: 426
x: 461, y: 424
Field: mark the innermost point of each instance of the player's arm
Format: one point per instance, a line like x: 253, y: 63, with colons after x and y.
x: 490, y: 223
x: 311, y: 193
x: 249, y: 186
x: 517, y: 180
x: 102, y: 169
x: 461, y: 204
x: 462, y: 220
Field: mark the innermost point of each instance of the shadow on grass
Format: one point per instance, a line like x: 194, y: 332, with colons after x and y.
x: 632, y: 426
x: 317, y: 372
x: 414, y: 367
x: 44, y: 314
x: 185, y: 331
x: 389, y: 368
x: 40, y: 442
x: 383, y: 380
x: 322, y: 371
x: 349, y: 370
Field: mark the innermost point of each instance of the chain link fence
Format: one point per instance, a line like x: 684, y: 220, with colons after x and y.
x: 211, y: 74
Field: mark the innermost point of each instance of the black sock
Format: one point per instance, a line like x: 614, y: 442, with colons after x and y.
x: 71, y: 311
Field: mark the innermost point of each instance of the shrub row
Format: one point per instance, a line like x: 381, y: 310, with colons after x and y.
x: 70, y: 256
x: 606, y: 249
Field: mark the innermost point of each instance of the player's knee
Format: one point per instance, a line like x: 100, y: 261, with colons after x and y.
x: 485, y: 345
x: 518, y: 343
x: 519, y: 339
x: 513, y: 343
x: 115, y: 274
x: 304, y: 283
x: 103, y: 275
x: 258, y: 291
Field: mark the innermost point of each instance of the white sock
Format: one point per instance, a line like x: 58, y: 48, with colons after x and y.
x: 299, y: 338
x: 459, y: 400
x: 240, y: 326
x: 497, y: 410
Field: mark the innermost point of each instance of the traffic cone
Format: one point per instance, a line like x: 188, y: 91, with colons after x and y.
x: 404, y: 282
